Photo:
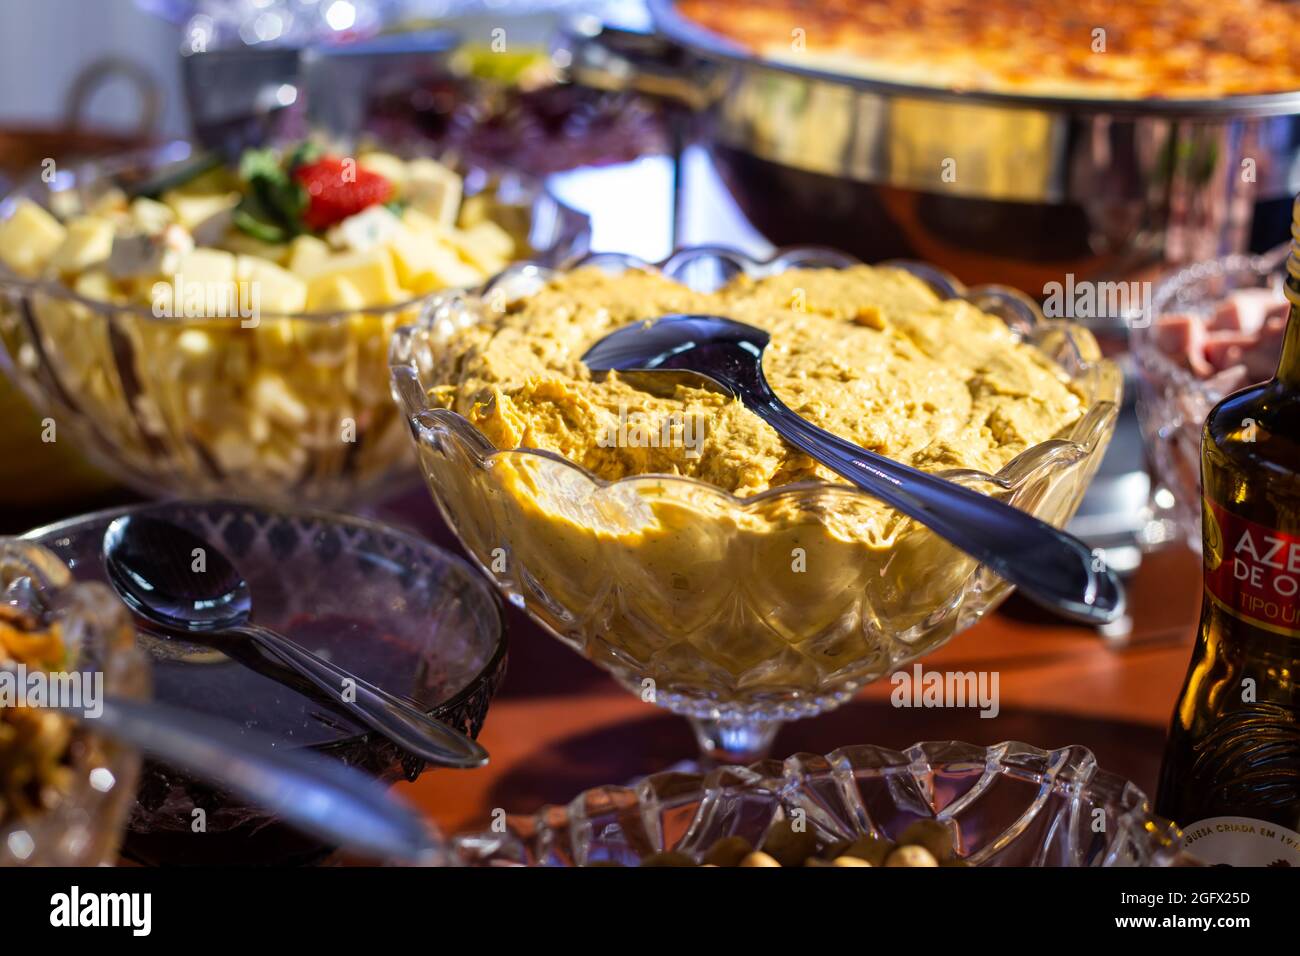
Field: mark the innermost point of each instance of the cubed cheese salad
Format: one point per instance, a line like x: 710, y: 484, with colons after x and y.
x: 171, y: 381
x: 314, y: 232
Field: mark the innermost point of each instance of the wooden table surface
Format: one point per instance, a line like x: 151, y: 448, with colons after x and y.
x: 560, y: 725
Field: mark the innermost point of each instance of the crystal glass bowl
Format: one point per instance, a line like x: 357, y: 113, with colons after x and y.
x: 294, y: 410
x: 592, y: 562
x: 1008, y: 805
x: 384, y: 603
x: 84, y: 825
x: 1172, y: 402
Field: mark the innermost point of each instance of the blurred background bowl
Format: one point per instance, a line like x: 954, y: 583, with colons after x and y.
x: 395, y: 609
x: 1173, y: 402
x: 167, y: 421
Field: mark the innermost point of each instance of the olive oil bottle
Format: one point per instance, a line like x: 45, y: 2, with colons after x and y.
x: 1231, y: 773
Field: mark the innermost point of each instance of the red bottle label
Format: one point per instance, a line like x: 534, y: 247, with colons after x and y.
x: 1252, y: 571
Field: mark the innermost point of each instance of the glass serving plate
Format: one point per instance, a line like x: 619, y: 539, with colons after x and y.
x: 296, y: 410
x: 1008, y: 805
x: 387, y: 605
x: 84, y: 826
x: 589, y: 560
x: 1172, y: 402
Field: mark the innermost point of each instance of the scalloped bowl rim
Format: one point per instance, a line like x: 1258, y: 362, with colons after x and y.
x: 778, y: 775
x: 1088, y: 430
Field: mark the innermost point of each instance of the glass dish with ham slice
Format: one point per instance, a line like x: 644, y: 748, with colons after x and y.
x: 1211, y: 329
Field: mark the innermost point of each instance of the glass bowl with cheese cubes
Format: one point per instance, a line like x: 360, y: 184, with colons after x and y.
x: 209, y: 328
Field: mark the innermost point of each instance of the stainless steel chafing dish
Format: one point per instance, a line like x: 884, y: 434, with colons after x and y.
x: 1042, y: 186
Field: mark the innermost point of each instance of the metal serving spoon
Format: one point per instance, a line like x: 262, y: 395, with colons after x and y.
x: 149, y: 563
x: 1050, y: 566
x: 316, y: 794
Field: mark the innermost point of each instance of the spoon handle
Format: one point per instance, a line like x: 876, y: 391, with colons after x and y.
x: 393, y: 717
x: 1051, y: 567
x: 316, y: 794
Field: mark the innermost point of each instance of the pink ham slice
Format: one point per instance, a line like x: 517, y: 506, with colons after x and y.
x: 1183, y: 337
x: 1237, y: 345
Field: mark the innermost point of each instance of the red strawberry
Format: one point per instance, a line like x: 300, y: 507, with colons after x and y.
x: 339, y: 188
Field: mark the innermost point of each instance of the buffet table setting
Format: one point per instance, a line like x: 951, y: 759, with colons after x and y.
x: 661, y: 435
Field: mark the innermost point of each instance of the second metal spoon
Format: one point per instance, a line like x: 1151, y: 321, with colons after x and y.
x: 150, y: 564
x: 314, y: 793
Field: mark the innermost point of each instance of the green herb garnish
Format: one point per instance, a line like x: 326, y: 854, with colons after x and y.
x: 273, y: 202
